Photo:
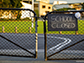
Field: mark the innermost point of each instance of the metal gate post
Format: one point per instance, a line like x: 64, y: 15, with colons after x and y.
x: 36, y: 38
x: 45, y: 41
x: 36, y: 44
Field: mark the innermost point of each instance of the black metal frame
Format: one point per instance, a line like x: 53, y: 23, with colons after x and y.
x: 35, y: 16
x: 45, y: 38
x: 45, y: 17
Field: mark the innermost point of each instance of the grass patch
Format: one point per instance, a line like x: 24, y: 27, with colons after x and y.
x: 80, y: 28
x: 40, y: 27
x: 23, y: 27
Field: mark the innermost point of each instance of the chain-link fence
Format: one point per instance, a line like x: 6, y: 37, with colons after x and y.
x: 18, y: 32
x: 63, y: 44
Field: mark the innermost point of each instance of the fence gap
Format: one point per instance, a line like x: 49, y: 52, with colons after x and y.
x: 15, y: 29
x: 29, y: 29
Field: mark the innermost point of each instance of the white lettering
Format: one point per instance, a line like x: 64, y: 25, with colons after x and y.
x: 63, y: 25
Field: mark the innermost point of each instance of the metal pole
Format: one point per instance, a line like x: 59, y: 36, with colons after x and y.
x: 45, y: 41
x: 3, y: 29
x: 36, y: 45
x: 36, y: 37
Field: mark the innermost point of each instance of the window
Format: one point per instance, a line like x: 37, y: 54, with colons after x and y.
x: 30, y: 2
x: 46, y: 12
x: 49, y: 7
x: 43, y: 6
x: 35, y: 5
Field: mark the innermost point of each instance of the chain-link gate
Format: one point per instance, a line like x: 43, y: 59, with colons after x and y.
x: 63, y: 44
x: 18, y: 32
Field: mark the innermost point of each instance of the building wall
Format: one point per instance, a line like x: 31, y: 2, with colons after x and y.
x: 36, y: 6
x: 44, y: 8
x: 59, y: 2
x: 46, y: 1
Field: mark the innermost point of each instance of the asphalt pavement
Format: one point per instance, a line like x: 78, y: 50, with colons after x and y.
x: 40, y: 59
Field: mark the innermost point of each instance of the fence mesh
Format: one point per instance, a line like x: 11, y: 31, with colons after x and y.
x: 17, y: 32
